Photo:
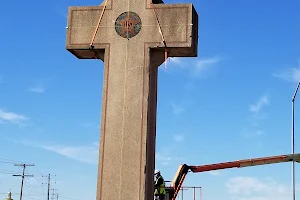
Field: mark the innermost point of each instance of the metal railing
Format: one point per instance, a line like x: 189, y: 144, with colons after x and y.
x: 195, y: 193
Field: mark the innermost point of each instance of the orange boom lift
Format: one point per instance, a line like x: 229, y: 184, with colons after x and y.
x: 183, y: 169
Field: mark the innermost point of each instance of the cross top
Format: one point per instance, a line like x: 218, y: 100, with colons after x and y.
x: 128, y: 23
x: 167, y: 26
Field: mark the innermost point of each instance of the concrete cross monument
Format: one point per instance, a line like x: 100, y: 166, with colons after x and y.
x: 132, y: 38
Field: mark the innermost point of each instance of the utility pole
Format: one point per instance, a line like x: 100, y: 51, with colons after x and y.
x: 293, y: 140
x: 48, y: 186
x: 23, y: 176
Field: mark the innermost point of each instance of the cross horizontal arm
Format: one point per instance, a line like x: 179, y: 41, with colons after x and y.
x: 178, y: 23
x: 179, y: 28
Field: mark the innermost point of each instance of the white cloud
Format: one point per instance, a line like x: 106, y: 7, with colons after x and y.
x: 90, y: 125
x: 180, y: 107
x: 189, y: 86
x: 86, y: 154
x: 37, y: 89
x: 39, y: 85
x: 194, y: 66
x: 203, y: 64
x: 163, y: 158
x: 253, y: 133
x: 214, y: 173
x: 256, y: 108
x: 178, y: 138
x: 250, y: 188
x: 83, y: 153
x: 290, y: 74
x: 11, y: 117
x: 253, y: 129
x: 177, y: 109
x: 175, y: 60
x: 167, y: 155
x: 96, y: 144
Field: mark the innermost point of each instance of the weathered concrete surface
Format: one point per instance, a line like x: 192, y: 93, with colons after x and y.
x: 128, y: 127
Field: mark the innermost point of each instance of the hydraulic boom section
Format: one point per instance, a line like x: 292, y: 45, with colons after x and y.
x: 184, y: 169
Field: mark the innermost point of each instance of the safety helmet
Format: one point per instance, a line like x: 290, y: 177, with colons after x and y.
x: 156, y: 172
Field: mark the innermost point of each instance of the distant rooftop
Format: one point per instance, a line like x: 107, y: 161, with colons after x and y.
x: 8, y: 196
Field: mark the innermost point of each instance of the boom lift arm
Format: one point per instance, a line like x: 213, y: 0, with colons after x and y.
x: 184, y: 169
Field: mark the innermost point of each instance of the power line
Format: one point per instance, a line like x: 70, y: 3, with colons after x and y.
x: 30, y: 197
x: 6, y: 193
x: 23, y: 176
x: 39, y: 171
x: 5, y: 160
x: 53, y: 194
x: 3, y: 171
x: 67, y: 198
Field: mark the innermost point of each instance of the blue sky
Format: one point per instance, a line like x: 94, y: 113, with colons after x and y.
x: 231, y: 102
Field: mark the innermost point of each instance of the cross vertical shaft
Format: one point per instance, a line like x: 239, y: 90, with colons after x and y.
x: 129, y: 41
